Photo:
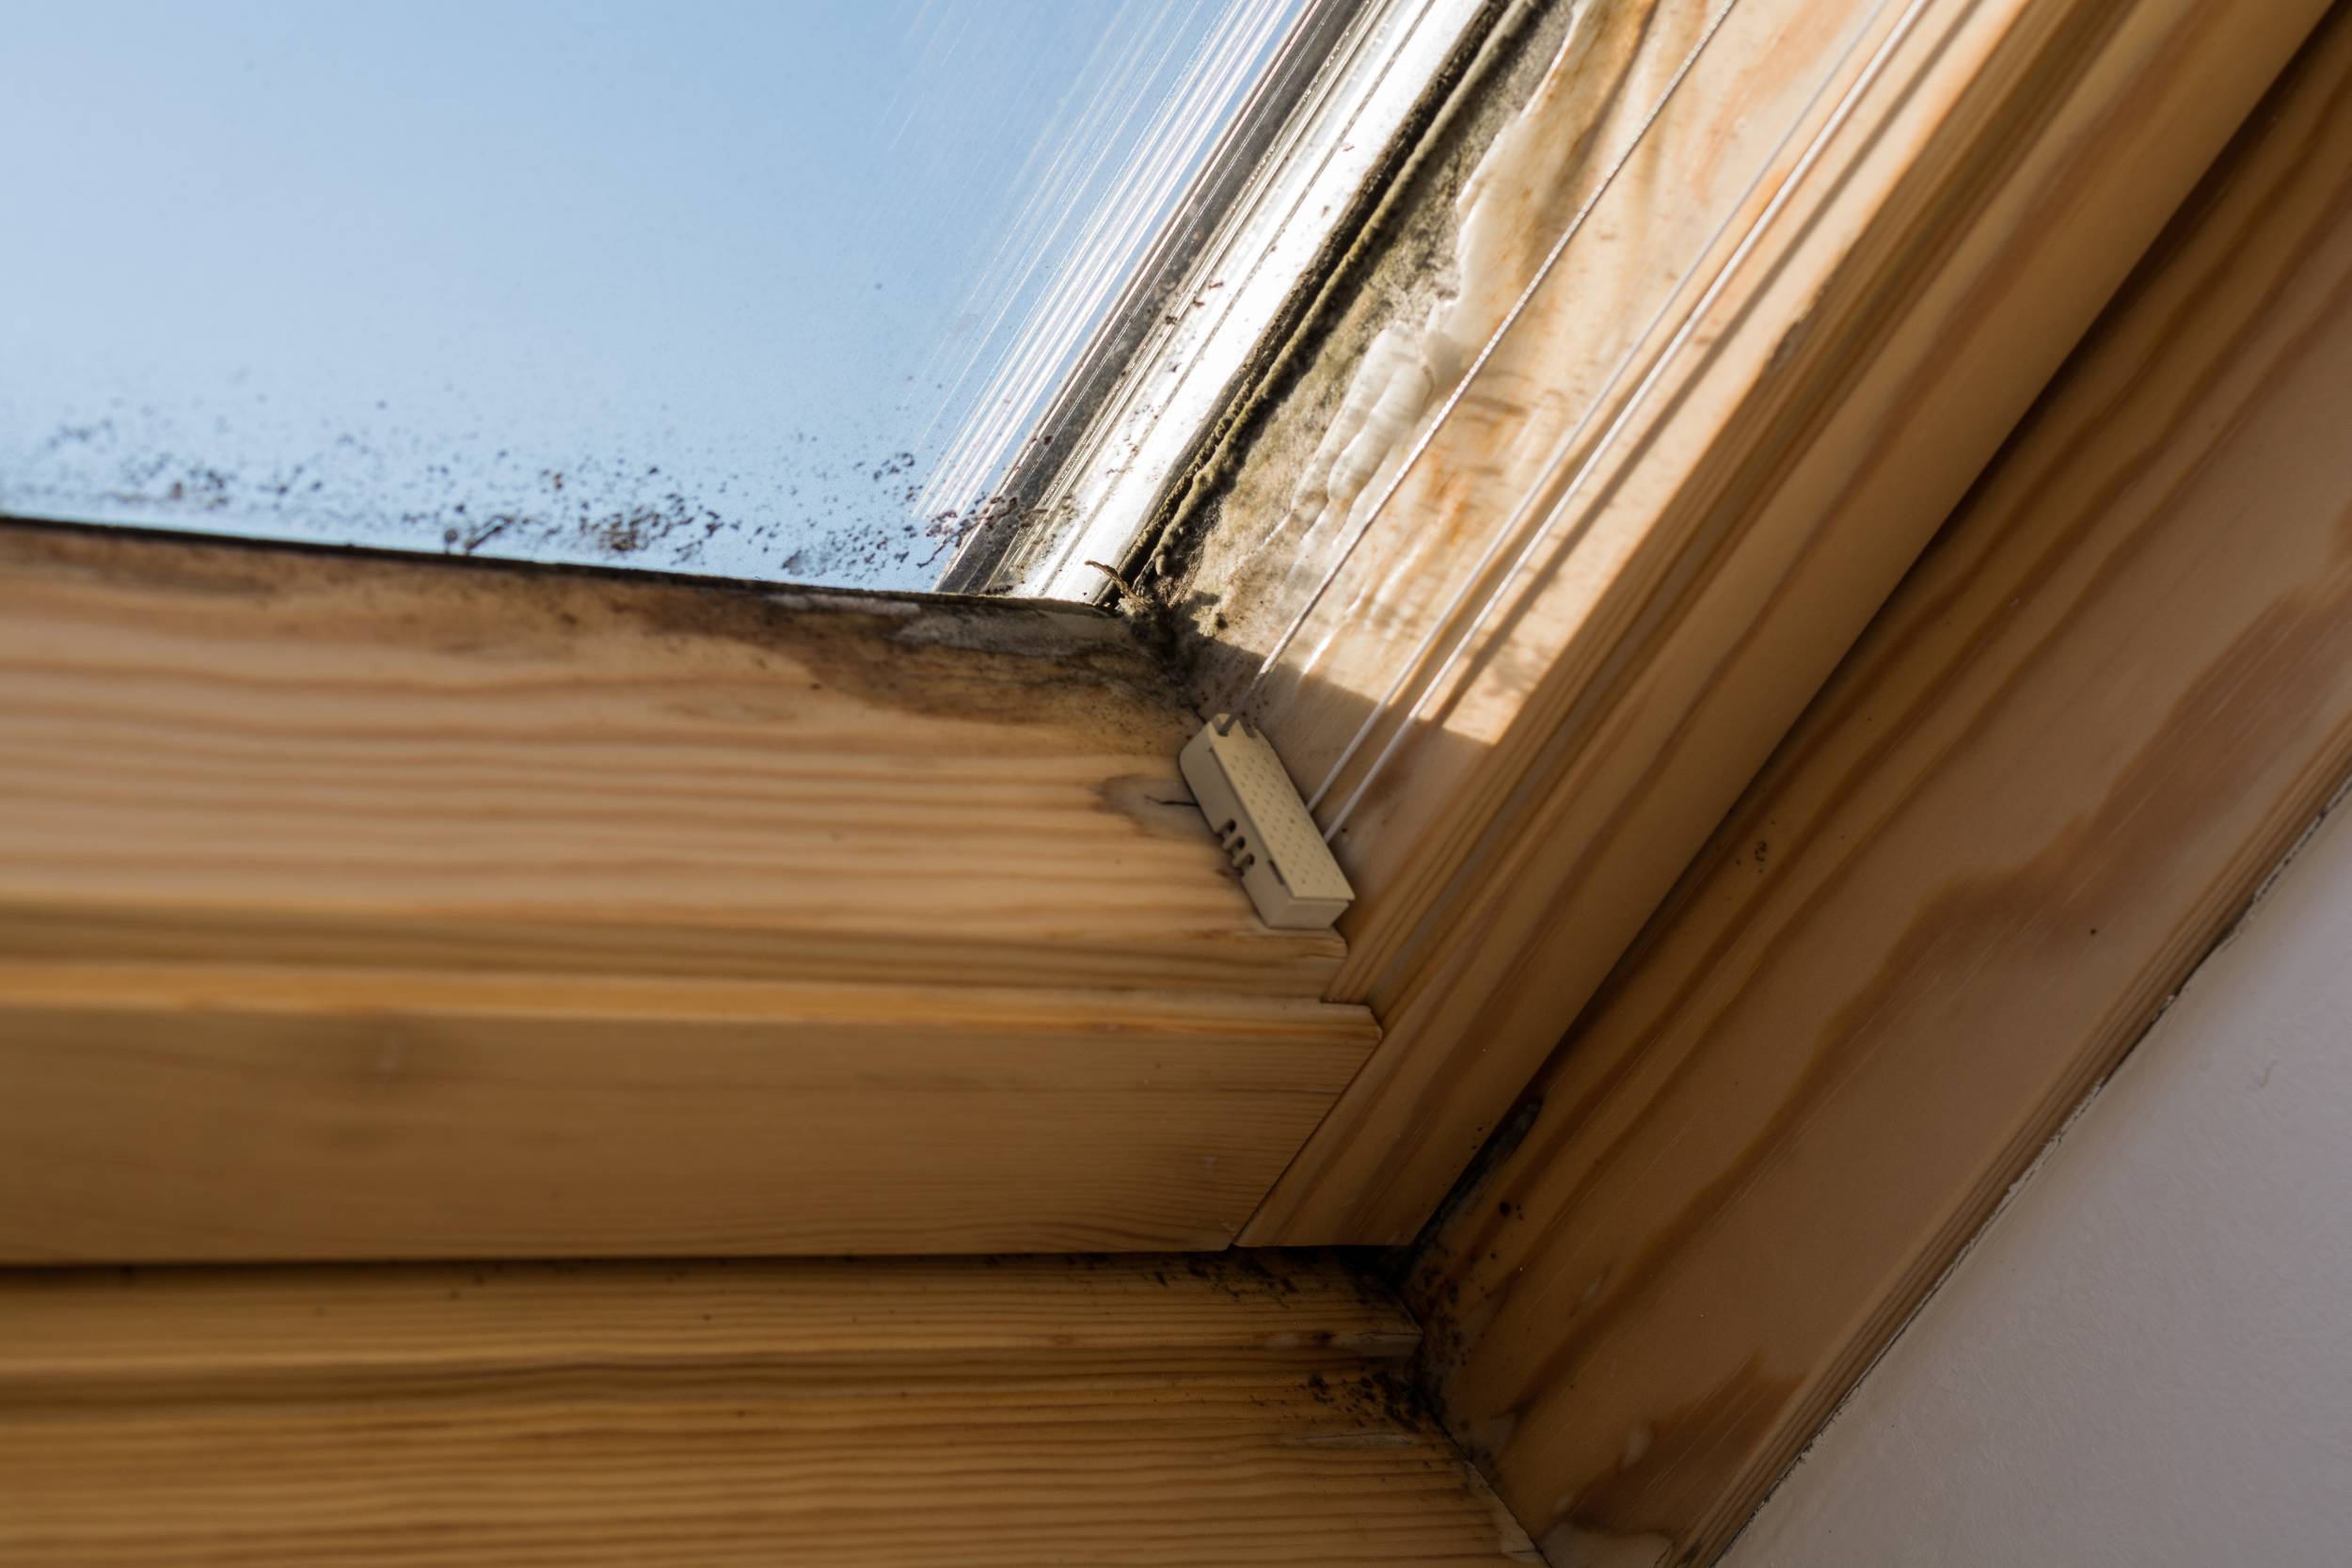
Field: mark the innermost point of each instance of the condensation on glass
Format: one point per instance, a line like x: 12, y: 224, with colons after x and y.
x: 773, y: 290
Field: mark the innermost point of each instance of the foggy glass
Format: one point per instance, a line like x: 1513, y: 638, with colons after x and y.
x: 758, y: 290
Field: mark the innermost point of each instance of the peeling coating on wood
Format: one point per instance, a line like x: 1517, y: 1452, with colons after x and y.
x: 1404, y: 282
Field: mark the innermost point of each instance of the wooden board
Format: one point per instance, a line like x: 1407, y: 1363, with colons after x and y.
x: 158, y: 1113
x: 367, y: 908
x: 237, y: 752
x: 2044, y: 784
x: 1008, y: 1412
x: 1978, y: 203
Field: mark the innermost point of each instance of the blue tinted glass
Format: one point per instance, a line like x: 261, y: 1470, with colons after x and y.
x: 763, y: 290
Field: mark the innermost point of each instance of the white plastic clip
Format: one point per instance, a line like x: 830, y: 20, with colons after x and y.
x: 1255, y: 812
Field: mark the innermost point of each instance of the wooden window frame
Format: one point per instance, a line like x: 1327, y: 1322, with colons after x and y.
x: 364, y: 907
x: 1288, y: 188
x: 371, y: 907
x: 1966, y: 220
x: 2071, y: 752
x: 1130, y: 1413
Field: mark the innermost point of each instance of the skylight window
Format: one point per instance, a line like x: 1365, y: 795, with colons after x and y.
x: 766, y: 291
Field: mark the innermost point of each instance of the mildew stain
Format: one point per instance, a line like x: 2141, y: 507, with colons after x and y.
x: 1542, y: 122
x: 820, y: 514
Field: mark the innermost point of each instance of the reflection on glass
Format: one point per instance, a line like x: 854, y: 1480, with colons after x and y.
x: 762, y: 290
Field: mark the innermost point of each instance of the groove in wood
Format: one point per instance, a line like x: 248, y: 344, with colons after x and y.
x: 1004, y: 1411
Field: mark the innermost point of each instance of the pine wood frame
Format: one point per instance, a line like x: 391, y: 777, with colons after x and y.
x: 170, y: 959
x: 1145, y: 1413
x: 365, y: 907
x: 559, y: 913
x: 1979, y: 204
x: 2115, y: 691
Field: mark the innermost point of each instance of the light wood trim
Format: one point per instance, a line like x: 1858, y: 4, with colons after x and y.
x: 224, y: 752
x: 159, y: 1113
x: 360, y: 908
x: 1960, y: 231
x: 76, y: 1337
x: 2044, y: 783
x: 1003, y: 1412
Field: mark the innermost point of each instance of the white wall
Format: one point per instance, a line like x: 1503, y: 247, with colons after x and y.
x: 2147, y: 1358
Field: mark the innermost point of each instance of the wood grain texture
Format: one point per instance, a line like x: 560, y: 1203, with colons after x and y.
x: 214, y: 750
x: 1010, y: 1412
x: 1961, y: 229
x: 2044, y: 783
x: 157, y: 1113
x: 128, y: 1336
x: 364, y: 908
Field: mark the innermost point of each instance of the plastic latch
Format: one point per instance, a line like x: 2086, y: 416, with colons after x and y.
x: 1256, y: 813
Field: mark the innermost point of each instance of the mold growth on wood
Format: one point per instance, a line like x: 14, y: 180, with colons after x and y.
x: 1394, y: 327
x: 1024, y: 662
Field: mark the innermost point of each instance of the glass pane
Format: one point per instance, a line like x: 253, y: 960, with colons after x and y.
x: 761, y: 289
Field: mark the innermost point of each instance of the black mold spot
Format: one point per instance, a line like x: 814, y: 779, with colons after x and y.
x: 841, y: 522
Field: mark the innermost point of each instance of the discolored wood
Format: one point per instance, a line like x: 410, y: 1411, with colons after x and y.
x: 995, y: 1412
x: 365, y: 907
x: 215, y: 750
x: 2043, y: 785
x: 1980, y: 200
